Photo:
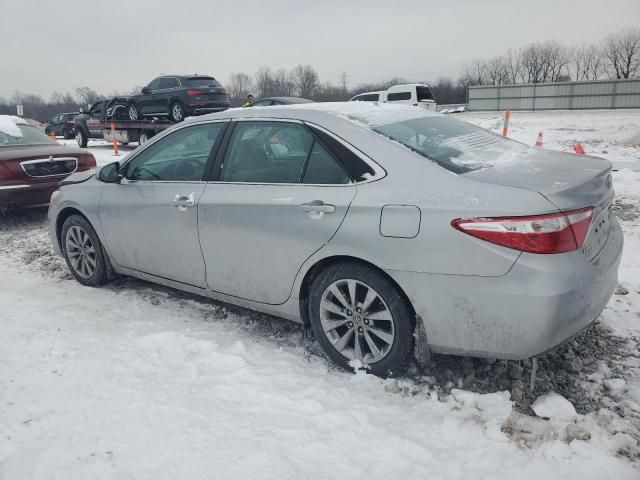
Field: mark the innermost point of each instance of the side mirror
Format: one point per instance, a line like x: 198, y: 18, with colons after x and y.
x: 146, y: 90
x: 110, y: 173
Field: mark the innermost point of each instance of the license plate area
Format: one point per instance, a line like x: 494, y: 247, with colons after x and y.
x: 598, y: 234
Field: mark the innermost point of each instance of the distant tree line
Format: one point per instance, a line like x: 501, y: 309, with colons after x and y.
x: 615, y: 57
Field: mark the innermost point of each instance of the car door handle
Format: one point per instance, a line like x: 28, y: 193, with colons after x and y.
x: 317, y: 206
x: 183, y: 201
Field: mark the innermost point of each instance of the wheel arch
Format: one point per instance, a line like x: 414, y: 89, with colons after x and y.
x: 67, y: 212
x: 320, y: 265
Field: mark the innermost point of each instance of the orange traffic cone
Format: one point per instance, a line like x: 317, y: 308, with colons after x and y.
x: 53, y: 136
x: 539, y: 140
x: 579, y: 149
x: 115, y: 142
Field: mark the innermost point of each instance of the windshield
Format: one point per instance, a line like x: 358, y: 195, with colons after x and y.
x: 457, y: 146
x: 29, y: 136
x: 203, y: 82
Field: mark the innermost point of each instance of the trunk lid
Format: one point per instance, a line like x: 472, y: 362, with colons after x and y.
x: 41, y: 163
x: 567, y: 180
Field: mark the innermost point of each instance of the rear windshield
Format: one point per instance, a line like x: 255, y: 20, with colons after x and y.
x: 370, y: 97
x: 455, y: 145
x: 29, y: 136
x: 203, y: 82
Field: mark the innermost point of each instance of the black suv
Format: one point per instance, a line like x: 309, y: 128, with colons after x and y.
x: 178, y: 96
x: 61, y: 124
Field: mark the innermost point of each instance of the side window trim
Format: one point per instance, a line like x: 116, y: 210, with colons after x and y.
x: 379, y: 172
x: 331, y: 154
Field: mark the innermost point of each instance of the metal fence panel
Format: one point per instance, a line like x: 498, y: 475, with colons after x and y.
x: 558, y: 95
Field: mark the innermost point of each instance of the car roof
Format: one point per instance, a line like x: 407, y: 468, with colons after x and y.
x: 288, y: 99
x: 185, y: 75
x: 315, y: 112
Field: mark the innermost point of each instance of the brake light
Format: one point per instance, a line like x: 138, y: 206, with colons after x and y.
x: 551, y: 233
x: 193, y: 93
x: 86, y: 161
x: 70, y: 123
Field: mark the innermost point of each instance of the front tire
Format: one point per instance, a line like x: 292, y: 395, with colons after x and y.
x: 81, y: 138
x: 357, y: 313
x: 83, y: 252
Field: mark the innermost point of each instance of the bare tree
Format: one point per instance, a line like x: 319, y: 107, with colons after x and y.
x: 622, y: 51
x: 305, y: 79
x: 554, y: 58
x: 474, y: 73
x: 86, y: 96
x: 240, y: 85
x: 263, y: 80
x: 497, y: 71
x: 513, y: 63
x: 587, y: 62
x: 282, y: 85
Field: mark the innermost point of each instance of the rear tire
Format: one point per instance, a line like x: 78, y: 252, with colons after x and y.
x: 133, y: 112
x: 68, y: 135
x: 83, y: 252
x: 366, y: 308
x: 177, y: 112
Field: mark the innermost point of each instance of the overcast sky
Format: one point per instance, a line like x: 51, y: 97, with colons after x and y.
x: 115, y: 45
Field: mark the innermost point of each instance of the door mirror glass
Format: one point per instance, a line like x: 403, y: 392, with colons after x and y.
x: 146, y: 90
x: 110, y: 173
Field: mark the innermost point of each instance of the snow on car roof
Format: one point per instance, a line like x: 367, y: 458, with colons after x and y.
x: 9, y: 125
x: 371, y: 114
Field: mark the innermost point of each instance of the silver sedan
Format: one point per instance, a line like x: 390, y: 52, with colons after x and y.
x: 369, y: 222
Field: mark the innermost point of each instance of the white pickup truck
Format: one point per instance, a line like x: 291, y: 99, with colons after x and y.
x: 415, y: 94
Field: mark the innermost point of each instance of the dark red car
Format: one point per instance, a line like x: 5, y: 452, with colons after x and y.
x: 32, y: 164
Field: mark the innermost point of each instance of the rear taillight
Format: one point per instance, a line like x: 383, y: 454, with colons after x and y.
x: 86, y: 161
x: 193, y: 93
x: 70, y: 123
x: 552, y: 233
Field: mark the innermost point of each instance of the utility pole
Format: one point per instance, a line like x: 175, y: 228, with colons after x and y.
x: 343, y: 79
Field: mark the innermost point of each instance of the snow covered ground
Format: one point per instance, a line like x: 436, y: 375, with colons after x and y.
x: 138, y: 381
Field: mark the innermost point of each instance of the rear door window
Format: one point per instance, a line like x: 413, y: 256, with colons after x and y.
x: 394, y: 97
x: 267, y: 152
x: 168, y: 82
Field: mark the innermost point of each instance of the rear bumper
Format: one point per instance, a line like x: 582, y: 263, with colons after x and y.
x: 18, y: 194
x: 543, y: 301
x: 205, y: 110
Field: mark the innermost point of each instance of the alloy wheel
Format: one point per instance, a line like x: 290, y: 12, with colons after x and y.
x: 133, y: 112
x: 81, y: 252
x: 357, y: 321
x: 177, y: 112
